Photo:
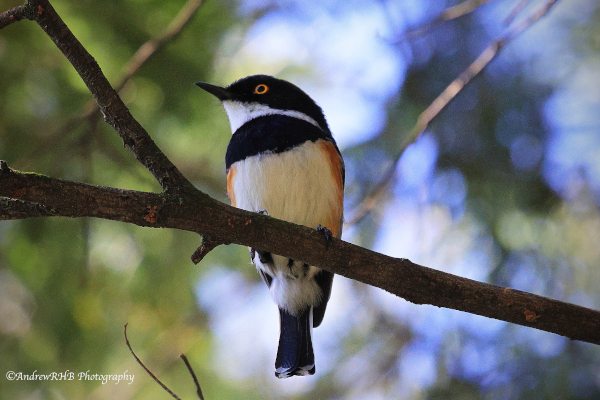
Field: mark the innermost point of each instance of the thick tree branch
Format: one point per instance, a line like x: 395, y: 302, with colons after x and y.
x: 89, y: 111
x: 112, y: 107
x: 204, y: 215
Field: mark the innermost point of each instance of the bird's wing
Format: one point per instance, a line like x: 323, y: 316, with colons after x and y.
x: 325, y: 278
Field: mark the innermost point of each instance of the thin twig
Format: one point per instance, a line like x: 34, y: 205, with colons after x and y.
x: 146, y: 368
x: 207, y: 245
x: 13, y: 15
x: 449, y: 14
x: 530, y: 20
x: 439, y: 103
x: 520, y: 6
x: 194, y: 377
x: 152, y: 46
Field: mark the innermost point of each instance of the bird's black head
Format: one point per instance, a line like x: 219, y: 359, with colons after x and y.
x: 248, y: 94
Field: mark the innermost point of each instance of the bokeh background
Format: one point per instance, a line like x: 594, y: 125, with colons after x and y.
x: 503, y: 187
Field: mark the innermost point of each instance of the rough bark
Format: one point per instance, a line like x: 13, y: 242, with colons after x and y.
x: 196, y: 212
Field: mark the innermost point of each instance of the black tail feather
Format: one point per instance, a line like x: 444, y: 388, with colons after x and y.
x: 295, y: 353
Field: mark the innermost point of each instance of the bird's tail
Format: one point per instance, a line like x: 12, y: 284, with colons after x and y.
x: 295, y: 353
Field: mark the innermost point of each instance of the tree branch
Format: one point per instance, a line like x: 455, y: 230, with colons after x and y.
x: 194, y: 377
x: 424, y: 119
x: 520, y: 6
x: 204, y: 215
x: 113, y: 109
x: 20, y: 209
x: 89, y: 111
x: 148, y: 371
x: 454, y: 12
x: 149, y: 48
x: 13, y: 15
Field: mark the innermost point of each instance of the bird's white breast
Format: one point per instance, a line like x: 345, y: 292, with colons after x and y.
x: 296, y: 185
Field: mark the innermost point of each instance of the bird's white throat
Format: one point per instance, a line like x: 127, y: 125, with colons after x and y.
x: 239, y: 113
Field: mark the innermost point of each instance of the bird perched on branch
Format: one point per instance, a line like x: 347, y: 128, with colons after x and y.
x: 282, y: 160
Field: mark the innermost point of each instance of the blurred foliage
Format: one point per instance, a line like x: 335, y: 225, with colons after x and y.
x: 493, y: 191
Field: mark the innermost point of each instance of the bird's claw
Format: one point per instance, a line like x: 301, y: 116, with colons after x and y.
x: 323, y: 230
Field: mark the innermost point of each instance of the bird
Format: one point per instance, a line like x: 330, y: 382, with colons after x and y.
x: 283, y: 161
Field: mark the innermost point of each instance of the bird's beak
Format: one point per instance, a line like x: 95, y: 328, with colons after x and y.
x: 217, y: 91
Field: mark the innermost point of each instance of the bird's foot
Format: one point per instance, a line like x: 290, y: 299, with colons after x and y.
x: 326, y: 234
x: 264, y: 256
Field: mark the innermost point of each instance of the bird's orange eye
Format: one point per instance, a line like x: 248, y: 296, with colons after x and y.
x: 261, y: 89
